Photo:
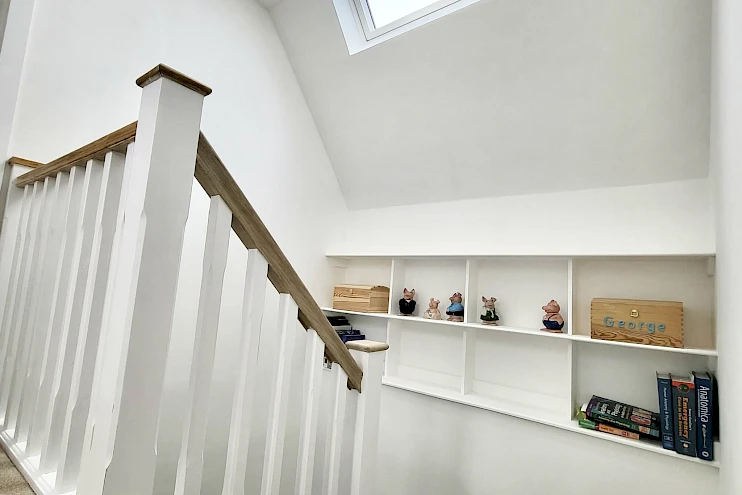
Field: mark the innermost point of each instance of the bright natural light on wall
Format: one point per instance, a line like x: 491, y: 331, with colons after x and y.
x: 385, y: 12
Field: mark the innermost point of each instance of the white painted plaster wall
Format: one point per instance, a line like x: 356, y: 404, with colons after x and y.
x: 78, y: 84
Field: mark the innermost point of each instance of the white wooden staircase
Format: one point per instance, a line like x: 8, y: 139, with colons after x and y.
x: 92, y: 245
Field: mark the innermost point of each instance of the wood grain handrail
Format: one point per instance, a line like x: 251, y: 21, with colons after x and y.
x: 15, y: 160
x: 115, y: 141
x: 216, y: 180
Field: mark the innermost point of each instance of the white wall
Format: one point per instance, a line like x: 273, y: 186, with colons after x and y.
x: 672, y: 218
x: 506, y: 97
x: 78, y: 84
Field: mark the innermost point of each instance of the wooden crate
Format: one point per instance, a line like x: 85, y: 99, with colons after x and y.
x: 363, y: 298
x: 640, y: 322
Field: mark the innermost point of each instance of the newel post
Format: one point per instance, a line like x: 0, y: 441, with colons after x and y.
x: 130, y: 369
x: 370, y: 357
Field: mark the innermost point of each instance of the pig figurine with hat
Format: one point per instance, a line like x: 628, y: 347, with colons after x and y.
x: 432, y: 313
x: 455, y: 311
x: 553, y: 321
x: 407, y: 303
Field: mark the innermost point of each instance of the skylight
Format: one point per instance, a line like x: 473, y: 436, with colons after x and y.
x: 384, y: 12
x: 366, y: 23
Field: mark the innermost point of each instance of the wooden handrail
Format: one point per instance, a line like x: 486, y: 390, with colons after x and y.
x: 14, y: 160
x: 216, y: 180
x: 115, y: 141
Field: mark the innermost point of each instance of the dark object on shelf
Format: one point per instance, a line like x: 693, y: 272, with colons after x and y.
x: 338, y: 320
x: 407, y: 303
x: 706, y: 415
x: 432, y: 313
x: 624, y: 416
x: 489, y: 315
x: 664, y: 390
x: 684, y: 407
x: 455, y: 311
x: 553, y: 321
x: 589, y: 424
x: 348, y: 338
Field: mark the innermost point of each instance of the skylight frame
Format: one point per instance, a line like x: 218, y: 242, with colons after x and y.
x: 371, y: 32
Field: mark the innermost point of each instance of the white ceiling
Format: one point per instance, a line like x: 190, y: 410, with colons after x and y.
x: 509, y: 97
x: 269, y: 3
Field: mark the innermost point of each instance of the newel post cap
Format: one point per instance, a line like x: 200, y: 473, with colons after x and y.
x: 175, y: 76
x: 367, y: 346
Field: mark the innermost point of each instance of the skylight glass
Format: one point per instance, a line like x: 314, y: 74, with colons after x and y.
x: 385, y: 12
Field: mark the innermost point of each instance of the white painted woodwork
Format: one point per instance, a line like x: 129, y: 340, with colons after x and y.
x: 244, y: 397
x: 190, y: 464
x: 44, y: 320
x: 109, y: 344
x: 288, y: 313
x: 469, y: 359
x: 23, y: 305
x: 334, y: 448
x: 40, y: 297
x: 313, y: 372
x: 366, y: 436
x: 76, y: 289
x: 78, y: 405
x: 9, y: 336
x: 132, y: 374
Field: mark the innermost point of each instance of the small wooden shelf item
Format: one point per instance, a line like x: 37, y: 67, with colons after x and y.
x: 640, y: 322
x: 362, y: 298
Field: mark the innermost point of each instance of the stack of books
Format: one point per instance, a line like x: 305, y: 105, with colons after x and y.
x: 688, y: 410
x: 344, y: 329
x: 619, y: 419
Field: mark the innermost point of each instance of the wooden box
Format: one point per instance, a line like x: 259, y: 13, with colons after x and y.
x: 640, y: 322
x: 363, y: 298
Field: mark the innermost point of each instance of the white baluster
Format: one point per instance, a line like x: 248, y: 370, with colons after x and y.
x: 76, y: 290
x: 190, y: 464
x: 244, y: 396
x: 288, y: 314
x: 75, y: 417
x: 23, y: 309
x: 108, y: 342
x: 37, y: 323
x: 334, y: 449
x: 9, y: 336
x: 312, y: 395
x: 370, y: 357
x: 133, y: 367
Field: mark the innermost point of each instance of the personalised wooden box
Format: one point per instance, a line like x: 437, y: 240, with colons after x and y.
x: 640, y: 322
x: 363, y: 298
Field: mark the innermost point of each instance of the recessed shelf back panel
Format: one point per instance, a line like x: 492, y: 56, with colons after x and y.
x: 431, y: 349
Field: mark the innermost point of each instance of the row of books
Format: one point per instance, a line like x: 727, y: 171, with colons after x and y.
x: 344, y: 329
x: 688, y: 413
x: 620, y: 419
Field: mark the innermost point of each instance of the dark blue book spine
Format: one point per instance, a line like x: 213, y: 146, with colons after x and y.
x: 705, y: 423
x: 684, y: 409
x: 664, y: 389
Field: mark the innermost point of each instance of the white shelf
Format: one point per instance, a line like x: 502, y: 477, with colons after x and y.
x: 527, y: 331
x: 536, y: 416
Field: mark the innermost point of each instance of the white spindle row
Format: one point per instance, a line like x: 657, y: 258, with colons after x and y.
x: 87, y: 321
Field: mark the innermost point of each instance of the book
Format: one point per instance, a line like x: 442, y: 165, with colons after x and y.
x: 348, y: 338
x: 589, y: 424
x: 705, y: 417
x: 684, y: 409
x: 664, y: 391
x: 623, y: 416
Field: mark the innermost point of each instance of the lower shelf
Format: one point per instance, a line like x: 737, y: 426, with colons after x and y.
x: 536, y: 416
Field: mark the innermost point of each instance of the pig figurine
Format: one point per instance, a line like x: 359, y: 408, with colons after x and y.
x: 455, y: 311
x: 432, y: 313
x: 489, y: 315
x: 553, y: 321
x: 407, y: 303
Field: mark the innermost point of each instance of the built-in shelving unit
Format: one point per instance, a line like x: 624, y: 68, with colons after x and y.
x: 515, y: 368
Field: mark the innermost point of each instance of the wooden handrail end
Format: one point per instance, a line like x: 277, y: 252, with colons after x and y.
x: 366, y: 346
x: 15, y: 160
x: 175, y: 76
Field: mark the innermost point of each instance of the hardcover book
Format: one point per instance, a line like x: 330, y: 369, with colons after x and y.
x: 624, y: 416
x: 684, y: 408
x: 664, y: 390
x: 589, y: 424
x: 706, y: 410
x: 348, y: 338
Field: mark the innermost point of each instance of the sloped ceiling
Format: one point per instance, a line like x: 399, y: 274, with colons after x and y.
x: 269, y: 3
x: 509, y: 97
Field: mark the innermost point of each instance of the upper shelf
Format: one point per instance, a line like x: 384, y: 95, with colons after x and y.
x: 527, y: 331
